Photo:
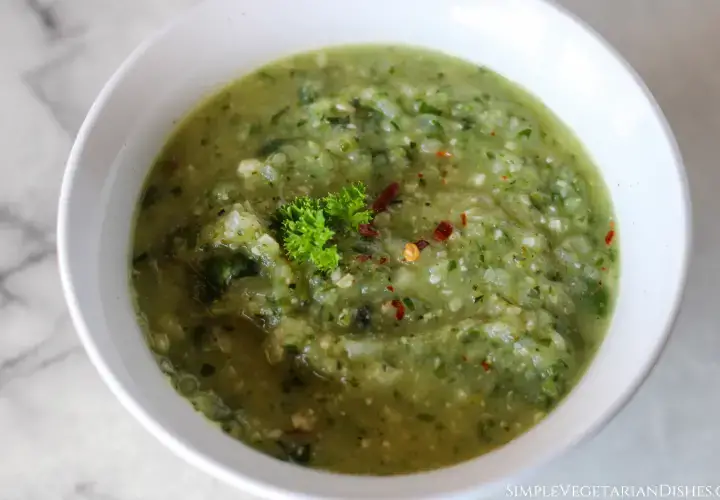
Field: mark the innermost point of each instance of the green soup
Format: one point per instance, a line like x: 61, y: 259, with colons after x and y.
x: 448, y: 321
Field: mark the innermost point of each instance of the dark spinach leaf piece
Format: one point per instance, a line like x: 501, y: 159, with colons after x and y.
x: 218, y: 271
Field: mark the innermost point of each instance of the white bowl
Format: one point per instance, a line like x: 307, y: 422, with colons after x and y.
x: 553, y: 56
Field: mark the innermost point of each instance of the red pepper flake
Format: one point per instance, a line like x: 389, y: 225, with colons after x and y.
x: 382, y: 260
x: 399, y: 309
x: 504, y: 177
x: 368, y: 231
x: 603, y: 268
x: 388, y: 195
x: 420, y: 175
x: 421, y: 244
x: 363, y: 258
x: 492, y: 133
x: 444, y: 154
x: 609, y: 237
x: 486, y: 366
x: 443, y: 231
x: 390, y: 288
x: 463, y: 219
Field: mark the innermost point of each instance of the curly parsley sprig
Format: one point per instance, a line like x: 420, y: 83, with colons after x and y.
x: 310, y: 224
x: 348, y: 208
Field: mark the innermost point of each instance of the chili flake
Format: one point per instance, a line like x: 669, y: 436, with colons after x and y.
x: 390, y: 288
x: 368, y: 231
x: 486, y: 366
x: 609, y: 237
x: 382, y: 260
x: 384, y: 199
x: 421, y: 244
x: 399, y: 309
x: 363, y: 258
x: 443, y: 231
x: 444, y: 154
x: 463, y: 219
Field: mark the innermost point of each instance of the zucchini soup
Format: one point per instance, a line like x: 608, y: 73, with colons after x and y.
x: 374, y: 260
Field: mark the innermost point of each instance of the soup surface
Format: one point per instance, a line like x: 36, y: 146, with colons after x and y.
x: 374, y: 260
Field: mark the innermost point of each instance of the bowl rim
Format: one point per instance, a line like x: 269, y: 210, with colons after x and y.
x: 248, y: 483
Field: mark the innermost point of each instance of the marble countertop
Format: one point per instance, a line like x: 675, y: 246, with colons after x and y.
x: 64, y: 436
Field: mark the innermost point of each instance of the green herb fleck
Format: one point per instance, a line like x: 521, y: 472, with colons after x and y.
x: 427, y: 109
x: 140, y: 258
x: 467, y: 123
x: 485, y: 429
x: 409, y: 303
x: 276, y: 117
x: 612, y: 254
x: 598, y: 299
x: 525, y: 133
x: 439, y: 129
x: 337, y: 120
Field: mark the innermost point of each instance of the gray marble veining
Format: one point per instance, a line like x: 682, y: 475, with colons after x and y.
x: 62, y: 434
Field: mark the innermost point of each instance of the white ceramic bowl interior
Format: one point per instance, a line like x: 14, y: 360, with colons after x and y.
x: 528, y: 41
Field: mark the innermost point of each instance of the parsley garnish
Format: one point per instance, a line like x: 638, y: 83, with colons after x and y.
x: 309, y: 225
x: 347, y: 207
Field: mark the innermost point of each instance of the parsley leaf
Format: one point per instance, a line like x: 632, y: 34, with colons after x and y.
x: 308, y: 225
x: 348, y: 207
x: 305, y: 234
x: 425, y: 108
